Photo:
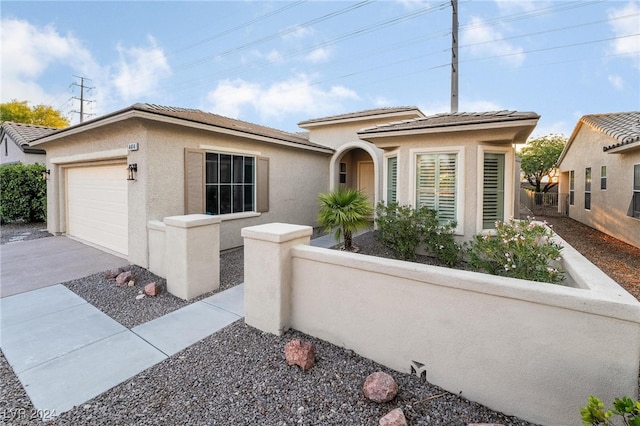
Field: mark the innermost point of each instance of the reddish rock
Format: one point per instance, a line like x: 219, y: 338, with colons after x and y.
x: 394, y: 418
x: 299, y: 353
x: 123, y: 278
x: 380, y: 387
x: 112, y: 273
x: 152, y: 289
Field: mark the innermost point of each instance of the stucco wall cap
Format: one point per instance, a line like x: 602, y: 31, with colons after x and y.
x: 191, y: 220
x: 276, y: 232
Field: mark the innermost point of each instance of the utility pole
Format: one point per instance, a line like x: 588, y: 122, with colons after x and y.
x: 454, y: 55
x: 82, y: 98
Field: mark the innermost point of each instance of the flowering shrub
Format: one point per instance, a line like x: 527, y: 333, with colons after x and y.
x: 520, y: 249
x: 403, y: 228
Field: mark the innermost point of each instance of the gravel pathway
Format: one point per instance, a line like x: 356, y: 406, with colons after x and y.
x: 239, y: 376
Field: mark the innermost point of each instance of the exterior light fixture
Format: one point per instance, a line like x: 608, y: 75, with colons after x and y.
x: 132, y: 169
x: 46, y: 174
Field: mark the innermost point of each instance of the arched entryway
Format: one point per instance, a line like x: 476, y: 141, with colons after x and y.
x: 358, y: 165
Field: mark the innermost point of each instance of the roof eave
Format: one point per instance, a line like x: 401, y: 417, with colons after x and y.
x: 623, y: 148
x: 530, y: 122
x: 381, y: 116
x: 132, y: 113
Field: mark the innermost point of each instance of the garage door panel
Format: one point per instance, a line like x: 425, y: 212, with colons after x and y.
x: 97, y: 205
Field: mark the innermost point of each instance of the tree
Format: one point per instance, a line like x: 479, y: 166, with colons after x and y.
x: 539, y: 160
x: 347, y: 210
x: 41, y: 115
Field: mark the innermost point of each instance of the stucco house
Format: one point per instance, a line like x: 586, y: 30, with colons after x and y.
x: 14, y: 143
x: 461, y: 164
x: 111, y: 176
x: 600, y: 170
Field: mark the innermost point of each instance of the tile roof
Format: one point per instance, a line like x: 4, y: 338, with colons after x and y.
x: 622, y: 126
x: 207, y: 118
x: 452, y: 119
x: 22, y: 134
x: 199, y: 116
x: 359, y: 114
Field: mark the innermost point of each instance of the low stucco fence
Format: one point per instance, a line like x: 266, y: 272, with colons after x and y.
x: 533, y: 350
x: 186, y: 251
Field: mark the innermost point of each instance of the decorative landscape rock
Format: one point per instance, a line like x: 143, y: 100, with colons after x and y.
x: 485, y: 424
x: 123, y: 278
x: 112, y: 273
x: 300, y: 353
x: 380, y: 387
x: 152, y: 289
x: 394, y: 418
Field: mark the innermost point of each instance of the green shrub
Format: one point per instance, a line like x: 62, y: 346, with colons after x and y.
x: 520, y: 249
x: 594, y: 412
x: 403, y: 229
x: 24, y: 192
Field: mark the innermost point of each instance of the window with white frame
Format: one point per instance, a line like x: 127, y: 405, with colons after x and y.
x: 587, y: 188
x: 603, y: 177
x: 436, y: 184
x: 392, y: 179
x: 229, y: 184
x: 493, y: 189
x: 572, y: 185
x: 636, y: 192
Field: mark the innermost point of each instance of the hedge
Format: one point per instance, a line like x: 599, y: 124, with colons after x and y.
x: 23, y: 194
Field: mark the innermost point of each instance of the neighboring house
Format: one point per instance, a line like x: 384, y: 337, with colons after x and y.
x: 188, y: 161
x: 461, y: 164
x: 14, y: 143
x: 600, y: 170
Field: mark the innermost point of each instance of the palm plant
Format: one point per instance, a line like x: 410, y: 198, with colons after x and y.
x: 347, y: 210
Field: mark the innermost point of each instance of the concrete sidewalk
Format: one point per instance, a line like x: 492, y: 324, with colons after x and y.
x: 34, y: 264
x: 65, y: 351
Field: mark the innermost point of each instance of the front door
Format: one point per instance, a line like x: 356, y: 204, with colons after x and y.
x: 366, y: 180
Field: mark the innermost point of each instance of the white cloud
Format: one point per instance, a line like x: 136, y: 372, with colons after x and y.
x: 319, y: 55
x: 297, y: 32
x: 293, y: 96
x: 484, y: 41
x: 616, y: 81
x: 624, y: 21
x: 140, y: 70
x: 29, y: 51
x: 512, y: 6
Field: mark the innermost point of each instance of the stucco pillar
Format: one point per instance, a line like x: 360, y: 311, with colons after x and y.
x: 192, y: 255
x: 267, y: 273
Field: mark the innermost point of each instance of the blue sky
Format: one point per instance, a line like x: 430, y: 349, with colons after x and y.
x: 280, y: 62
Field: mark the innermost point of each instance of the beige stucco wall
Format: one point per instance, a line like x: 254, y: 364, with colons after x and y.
x: 470, y: 147
x: 609, y: 207
x: 295, y: 176
x: 512, y: 345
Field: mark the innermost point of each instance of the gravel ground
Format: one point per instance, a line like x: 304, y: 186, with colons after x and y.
x: 20, y: 231
x: 239, y: 376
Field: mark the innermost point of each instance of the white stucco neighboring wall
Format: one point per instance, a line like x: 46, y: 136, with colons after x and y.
x: 533, y: 350
x: 609, y: 212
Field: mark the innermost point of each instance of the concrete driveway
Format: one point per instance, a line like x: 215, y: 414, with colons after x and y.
x: 33, y: 264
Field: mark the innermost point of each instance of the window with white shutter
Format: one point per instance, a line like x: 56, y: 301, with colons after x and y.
x: 392, y: 179
x: 436, y: 184
x: 493, y: 190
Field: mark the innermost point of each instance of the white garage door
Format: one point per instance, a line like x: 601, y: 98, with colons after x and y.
x: 97, y: 205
